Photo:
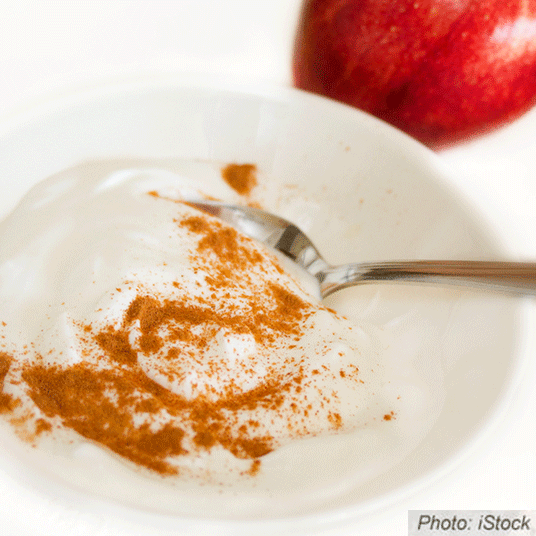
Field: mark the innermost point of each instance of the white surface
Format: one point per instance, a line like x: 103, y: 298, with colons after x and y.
x: 50, y: 47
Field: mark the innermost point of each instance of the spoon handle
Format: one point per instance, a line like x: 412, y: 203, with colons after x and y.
x: 513, y: 277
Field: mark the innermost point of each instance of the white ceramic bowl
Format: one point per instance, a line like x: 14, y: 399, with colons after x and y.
x: 381, y: 193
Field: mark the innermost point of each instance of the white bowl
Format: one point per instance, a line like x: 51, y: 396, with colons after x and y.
x: 372, y: 193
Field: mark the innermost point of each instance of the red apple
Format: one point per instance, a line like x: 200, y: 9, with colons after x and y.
x: 441, y: 70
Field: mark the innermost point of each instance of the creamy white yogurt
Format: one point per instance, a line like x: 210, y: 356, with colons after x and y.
x: 343, y: 401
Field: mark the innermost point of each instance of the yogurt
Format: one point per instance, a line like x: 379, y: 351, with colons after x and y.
x: 148, y: 346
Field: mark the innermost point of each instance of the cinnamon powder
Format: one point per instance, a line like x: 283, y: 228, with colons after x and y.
x: 103, y: 401
x: 241, y: 177
x: 110, y: 400
x: 7, y: 402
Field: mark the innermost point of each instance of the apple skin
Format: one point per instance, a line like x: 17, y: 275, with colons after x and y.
x: 441, y: 70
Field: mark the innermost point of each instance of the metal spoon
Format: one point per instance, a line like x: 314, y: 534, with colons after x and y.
x: 284, y: 236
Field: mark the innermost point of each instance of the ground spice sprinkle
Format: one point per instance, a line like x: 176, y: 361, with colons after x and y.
x: 109, y: 398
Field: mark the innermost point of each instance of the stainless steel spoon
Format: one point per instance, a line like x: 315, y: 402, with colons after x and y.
x: 284, y: 236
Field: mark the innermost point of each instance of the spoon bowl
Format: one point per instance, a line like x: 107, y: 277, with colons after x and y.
x: 282, y: 235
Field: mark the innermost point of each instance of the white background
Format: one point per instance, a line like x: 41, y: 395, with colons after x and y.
x: 50, y: 48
